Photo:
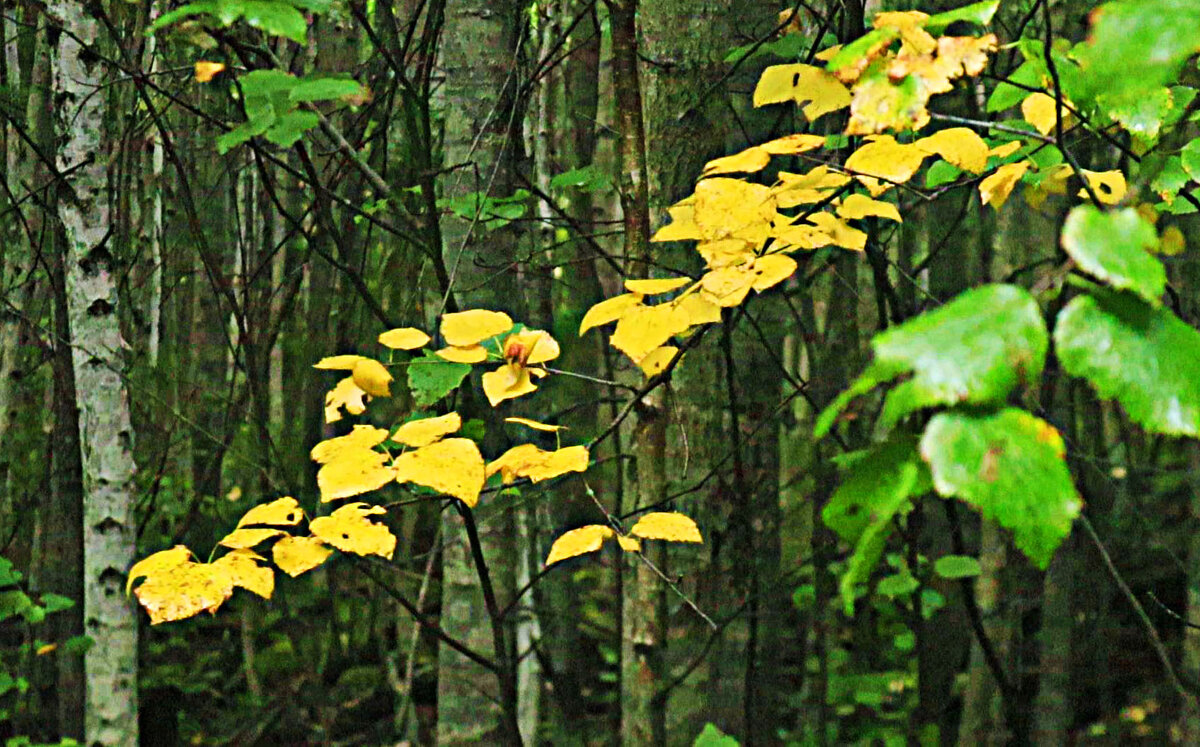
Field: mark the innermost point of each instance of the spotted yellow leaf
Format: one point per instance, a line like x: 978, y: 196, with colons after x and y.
x: 578, y: 542
x: 184, y: 591
x: 609, y: 310
x: 404, y: 338
x: 667, y: 525
x: 468, y: 354
x: 244, y: 539
x: 1109, y: 186
x: 161, y: 561
x: 346, y: 395
x: 657, y: 360
x: 529, y: 461
x: 350, y: 529
x: 244, y: 571
x: 281, y: 512
x: 537, y: 426
x: 654, y: 286
x: 858, y: 206
x: 995, y: 189
x: 425, y: 431
x: 453, y: 467
x: 353, y: 473
x: 464, y: 328
x: 359, y: 438
x: 296, y: 555
x: 959, y: 146
x: 816, y: 90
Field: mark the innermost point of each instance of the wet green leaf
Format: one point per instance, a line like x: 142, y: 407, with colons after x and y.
x: 1115, y: 247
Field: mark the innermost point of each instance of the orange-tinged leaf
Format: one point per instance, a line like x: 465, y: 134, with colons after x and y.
x: 629, y: 544
x: 682, y: 226
x: 244, y: 571
x: 793, y: 145
x: 359, y: 438
x: 244, y: 539
x: 350, y: 529
x: 159, y: 562
x: 206, y: 71
x: 644, y: 328
x: 858, y: 206
x: 404, y: 338
x: 1109, y: 186
x: 46, y: 648
x: 529, y: 461
x: 296, y: 555
x: 749, y: 161
x: 667, y: 525
x: 881, y: 103
x: 354, y: 473
x: 699, y: 308
x: 183, y: 591
x: 885, y: 159
x: 417, y: 433
x: 609, y: 310
x: 1040, y: 110
x: 578, y: 542
x: 995, y: 189
x: 453, y: 467
x: 339, y: 362
x: 657, y: 360
x: 371, y: 377
x: 509, y: 381
x: 655, y: 286
x: 468, y: 354
x: 530, y: 346
x: 345, y: 395
x: 281, y: 512
x: 463, y: 328
x: 537, y: 426
x: 816, y: 90
x: 959, y: 146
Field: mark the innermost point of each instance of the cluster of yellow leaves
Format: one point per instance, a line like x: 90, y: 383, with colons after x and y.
x: 669, y: 526
x: 520, y: 352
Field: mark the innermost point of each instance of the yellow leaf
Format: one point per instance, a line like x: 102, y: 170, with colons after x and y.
x: 469, y: 354
x: 281, y: 512
x: 1109, y: 186
x: 881, y: 104
x: 801, y: 236
x: 748, y: 161
x: 816, y: 90
x: 244, y: 539
x: 425, y: 431
x: 578, y: 542
x: 183, y: 591
x: 45, y: 648
x: 529, y: 461
x: 206, y: 71
x: 699, y: 309
x: 1006, y: 150
x: 771, y: 270
x: 682, y: 226
x: 404, y: 338
x: 346, y: 395
x: 371, y: 377
x: 644, y: 328
x: 1172, y: 242
x: 536, y: 425
x: 530, y: 346
x: 825, y: 55
x: 354, y: 473
x: 858, y: 206
x: 670, y: 526
x: 338, y: 362
x: 245, y: 572
x: 911, y: 25
x: 350, y: 529
x: 885, y: 159
x: 995, y: 189
x: 793, y: 145
x: 509, y: 381
x: 1039, y: 110
x: 655, y: 286
x: 296, y: 555
x: 163, y: 560
x: 724, y: 252
x: 658, y: 359
x: 453, y: 467
x: 733, y: 209
x: 629, y: 544
x: 958, y: 146
x: 608, y: 310
x: 464, y: 328
x: 728, y: 285
x: 805, y: 189
x: 359, y: 438
x: 839, y: 233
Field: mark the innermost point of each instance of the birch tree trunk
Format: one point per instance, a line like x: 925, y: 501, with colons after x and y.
x: 105, y: 432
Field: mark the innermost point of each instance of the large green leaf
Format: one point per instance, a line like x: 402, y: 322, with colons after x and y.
x: 1142, y: 356
x: 1136, y: 46
x: 324, y: 89
x: 277, y: 18
x: 430, y: 378
x: 979, y: 14
x: 974, y: 350
x: 1114, y: 247
x: 1010, y: 466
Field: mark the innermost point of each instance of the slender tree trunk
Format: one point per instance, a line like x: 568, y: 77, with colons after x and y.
x: 108, y: 528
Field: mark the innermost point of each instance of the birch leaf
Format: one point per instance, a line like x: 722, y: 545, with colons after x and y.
x: 667, y: 525
x: 184, y: 591
x: 609, y: 310
x: 243, y: 570
x: 958, y: 146
x: 370, y: 376
x: 884, y: 158
x: 816, y: 90
x: 859, y: 206
x: 749, y: 161
x: 509, y: 381
x: 350, y: 529
x: 281, y: 512
x: 682, y: 226
x: 296, y: 555
x: 699, y: 309
x: 629, y: 544
x: 1041, y: 111
x: 658, y: 359
x: 645, y: 328
x: 793, y: 145
x: 453, y: 467
x: 339, y: 362
x: 536, y: 425
x: 417, y: 433
x: 430, y: 378
x: 578, y: 542
x: 529, y: 461
x: 354, y: 473
x: 1109, y: 186
x: 244, y: 539
x: 360, y: 438
x: 464, y: 328
x: 159, y: 562
x: 404, y: 338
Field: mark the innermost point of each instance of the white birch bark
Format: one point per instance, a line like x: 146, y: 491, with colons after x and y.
x: 97, y: 347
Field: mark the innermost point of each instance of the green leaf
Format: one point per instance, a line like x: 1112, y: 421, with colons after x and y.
x: 589, y: 179
x: 956, y: 566
x: 265, y: 83
x: 1142, y: 356
x: 788, y: 47
x: 974, y: 350
x: 291, y: 127
x: 941, y: 173
x: 979, y: 14
x: 1010, y: 466
x: 852, y: 52
x: 324, y: 89
x: 1170, y: 179
x: 277, y: 18
x: 897, y: 585
x: 56, y: 603
x: 1136, y: 46
x: 430, y: 378
x: 1143, y: 116
x: 14, y: 602
x: 1007, y: 95
x: 78, y: 644
x: 316, y: 6
x: 204, y: 7
x: 8, y: 574
x: 1189, y: 157
x: 1115, y: 248
x: 711, y: 736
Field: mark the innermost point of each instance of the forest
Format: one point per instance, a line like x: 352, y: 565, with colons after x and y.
x: 599, y: 372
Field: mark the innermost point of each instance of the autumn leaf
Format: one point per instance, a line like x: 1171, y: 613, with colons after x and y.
x: 748, y: 161
x: 453, y: 466
x: 417, y: 433
x: 350, y: 529
x: 671, y: 526
x: 244, y: 539
x: 682, y: 226
x: 529, y: 461
x: 537, y: 426
x: 370, y: 376
x: 346, y: 395
x: 578, y: 542
x: 206, y: 71
x: 296, y: 555
x: 645, y: 328
x: 242, y: 568
x: 958, y: 146
x: 698, y: 308
x: 354, y: 472
x: 464, y: 328
x: 793, y: 145
x: 339, y: 362
x: 404, y: 338
x: 468, y: 354
x: 1109, y: 186
x: 510, y: 381
x: 858, y: 206
x: 359, y: 438
x: 817, y: 91
x: 885, y: 159
x: 655, y: 286
x: 658, y: 360
x: 839, y: 232
x: 1040, y: 110
x: 629, y: 544
x: 995, y: 189
x: 183, y: 591
x: 609, y: 310
x: 281, y: 512
x: 158, y: 563
x: 808, y: 188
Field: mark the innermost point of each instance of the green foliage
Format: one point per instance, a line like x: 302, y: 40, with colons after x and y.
x: 274, y: 17
x: 430, y: 378
x: 711, y: 736
x: 956, y: 566
x: 1115, y: 248
x: 1010, y: 466
x: 1140, y: 355
x: 979, y: 14
x: 272, y: 99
